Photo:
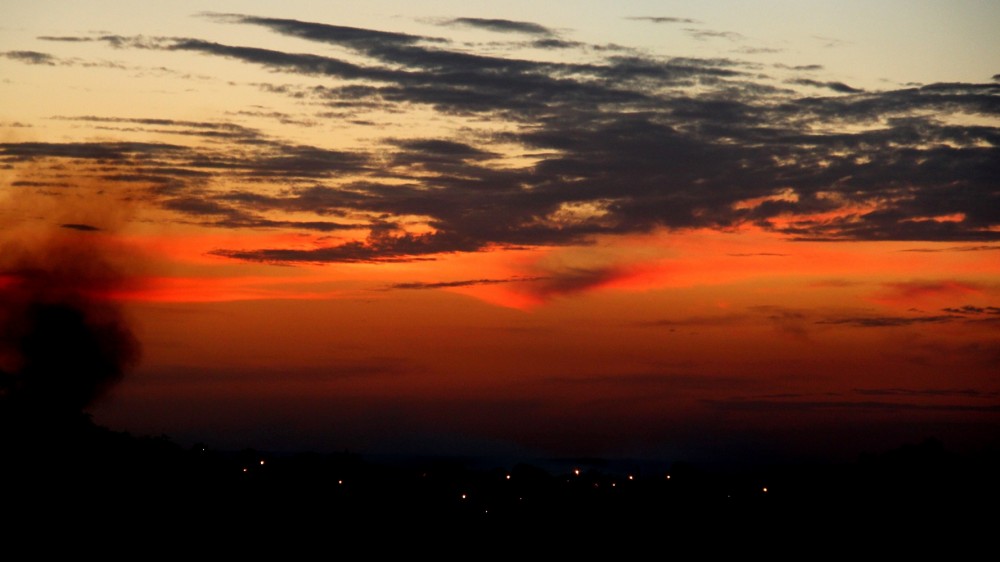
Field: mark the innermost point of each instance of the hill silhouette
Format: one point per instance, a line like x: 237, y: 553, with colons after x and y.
x: 70, y: 471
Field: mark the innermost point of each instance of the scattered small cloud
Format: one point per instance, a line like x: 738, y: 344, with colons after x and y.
x: 32, y: 57
x: 918, y: 289
x: 662, y: 19
x: 758, y: 50
x: 462, y: 283
x: 981, y: 248
x: 800, y: 67
x: 826, y: 405
x: 966, y: 392
x: 835, y: 283
x: 839, y: 87
x: 81, y: 227
x: 831, y: 42
x: 888, y: 321
x: 66, y: 39
x: 973, y: 310
x: 502, y: 25
x: 705, y: 34
x: 553, y: 43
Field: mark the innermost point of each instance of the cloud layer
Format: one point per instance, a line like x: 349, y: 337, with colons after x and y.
x: 610, y: 142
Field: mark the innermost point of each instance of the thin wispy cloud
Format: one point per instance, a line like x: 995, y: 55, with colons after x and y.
x: 502, y: 25
x: 889, y: 321
x: 417, y: 285
x: 663, y: 19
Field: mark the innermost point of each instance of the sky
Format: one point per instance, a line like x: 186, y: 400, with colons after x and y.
x: 677, y: 230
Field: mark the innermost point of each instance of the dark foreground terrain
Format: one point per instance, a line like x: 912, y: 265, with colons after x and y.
x: 78, y: 477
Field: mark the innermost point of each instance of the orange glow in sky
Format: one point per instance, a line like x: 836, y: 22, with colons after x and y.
x: 613, y: 232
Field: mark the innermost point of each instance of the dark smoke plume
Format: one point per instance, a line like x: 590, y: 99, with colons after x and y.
x: 68, y: 353
x: 63, y: 341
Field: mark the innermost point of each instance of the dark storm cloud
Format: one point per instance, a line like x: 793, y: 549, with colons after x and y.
x: 503, y: 26
x: 623, y: 143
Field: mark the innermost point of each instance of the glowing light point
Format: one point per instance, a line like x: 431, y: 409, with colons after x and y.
x: 463, y: 496
x: 244, y: 470
x: 765, y: 489
x: 576, y: 471
x: 508, y: 477
x: 340, y: 481
x: 668, y: 477
x: 630, y: 477
x: 262, y: 462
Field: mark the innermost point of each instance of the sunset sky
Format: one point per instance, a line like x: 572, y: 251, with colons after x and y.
x: 672, y: 229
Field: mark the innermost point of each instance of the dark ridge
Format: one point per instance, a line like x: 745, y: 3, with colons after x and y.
x: 98, y: 477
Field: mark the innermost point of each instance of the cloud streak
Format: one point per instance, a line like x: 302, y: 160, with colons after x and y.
x: 502, y: 25
x: 32, y: 57
x: 663, y: 19
x: 462, y: 283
